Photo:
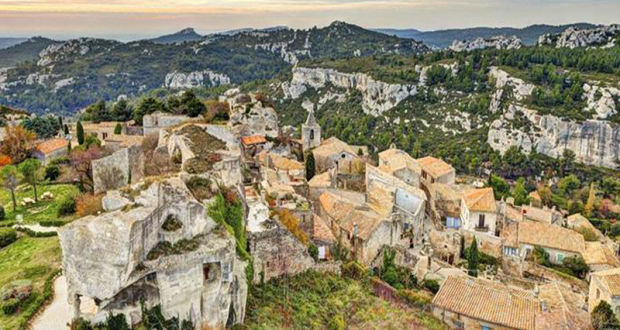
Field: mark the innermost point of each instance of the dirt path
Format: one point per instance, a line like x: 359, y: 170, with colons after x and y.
x: 58, y: 313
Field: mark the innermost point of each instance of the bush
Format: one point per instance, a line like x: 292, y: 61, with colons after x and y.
x: 7, y: 236
x: 416, y: 299
x: 10, y: 306
x: 2, y: 213
x: 431, y: 285
x: 67, y: 206
x: 20, y: 289
x: 52, y: 223
x: 337, y: 322
x: 314, y: 252
x: 353, y: 270
x: 52, y: 172
x: 171, y: 223
x: 88, y: 205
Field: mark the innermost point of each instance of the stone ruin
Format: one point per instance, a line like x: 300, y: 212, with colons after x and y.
x: 123, y: 167
x: 162, y: 248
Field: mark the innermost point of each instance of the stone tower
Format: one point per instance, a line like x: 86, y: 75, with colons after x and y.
x: 310, y: 132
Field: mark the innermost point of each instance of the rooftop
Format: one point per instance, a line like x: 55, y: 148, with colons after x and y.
x: 550, y: 236
x: 611, y: 279
x: 480, y: 200
x: 49, y: 146
x: 393, y: 160
x: 488, y: 301
x: 435, y: 166
x: 322, y: 231
x: 333, y: 146
x: 254, y: 139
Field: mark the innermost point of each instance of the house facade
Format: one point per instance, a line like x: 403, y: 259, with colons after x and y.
x: 605, y: 286
x: 479, y: 212
x: 559, y: 242
x: 49, y: 150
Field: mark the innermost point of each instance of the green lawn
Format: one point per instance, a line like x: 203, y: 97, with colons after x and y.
x: 43, y: 210
x: 314, y: 301
x: 32, y: 259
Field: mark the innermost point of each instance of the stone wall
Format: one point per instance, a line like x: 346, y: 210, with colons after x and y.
x: 118, y: 169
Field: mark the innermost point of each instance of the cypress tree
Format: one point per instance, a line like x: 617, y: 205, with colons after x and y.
x: 118, y: 129
x: 80, y: 132
x: 472, y: 259
x: 310, y: 166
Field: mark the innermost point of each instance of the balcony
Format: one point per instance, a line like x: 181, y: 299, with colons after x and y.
x: 482, y: 228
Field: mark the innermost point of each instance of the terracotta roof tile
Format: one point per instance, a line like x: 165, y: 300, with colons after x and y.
x: 322, y: 231
x: 550, y: 236
x: 488, y: 301
x: 49, y: 146
x: 610, y: 278
x: 254, y: 139
x: 480, y: 200
x: 435, y: 166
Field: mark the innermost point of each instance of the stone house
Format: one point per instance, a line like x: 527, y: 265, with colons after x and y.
x: 399, y: 164
x: 335, y: 153
x: 49, y: 150
x: 322, y: 237
x: 544, y: 214
x: 479, y: 212
x: 253, y: 145
x: 559, y: 242
x: 289, y: 169
x: 469, y: 303
x: 118, y: 259
x: 605, y: 286
x: 434, y: 170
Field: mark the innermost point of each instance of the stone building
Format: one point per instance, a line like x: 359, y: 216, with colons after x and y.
x: 605, y: 286
x: 469, y: 303
x: 399, y: 164
x: 310, y: 133
x: 434, y: 170
x: 153, y: 123
x: 49, y: 150
x: 333, y: 153
x: 559, y: 242
x: 114, y: 261
x: 479, y: 212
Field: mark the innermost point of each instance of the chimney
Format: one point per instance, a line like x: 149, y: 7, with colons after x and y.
x: 356, y: 230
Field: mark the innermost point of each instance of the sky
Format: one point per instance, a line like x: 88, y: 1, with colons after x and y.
x: 135, y: 19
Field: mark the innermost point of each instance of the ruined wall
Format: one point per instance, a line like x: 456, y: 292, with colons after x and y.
x: 116, y: 170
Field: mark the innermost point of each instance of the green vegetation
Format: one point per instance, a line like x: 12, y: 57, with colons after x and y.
x: 327, y: 301
x: 7, y: 236
x: 42, y: 211
x: 36, y: 260
x: 603, y: 317
x: 44, y: 127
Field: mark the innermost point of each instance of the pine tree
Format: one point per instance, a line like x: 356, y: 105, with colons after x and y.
x: 310, y: 166
x: 519, y: 193
x: 118, y: 129
x: 473, y: 259
x: 66, y: 129
x: 80, y: 132
x: 603, y: 317
x: 590, y: 203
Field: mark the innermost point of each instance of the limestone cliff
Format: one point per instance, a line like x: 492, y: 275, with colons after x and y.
x: 204, y: 78
x: 497, y: 42
x: 573, y: 38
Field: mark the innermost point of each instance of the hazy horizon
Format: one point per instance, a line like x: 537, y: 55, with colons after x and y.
x: 138, y: 19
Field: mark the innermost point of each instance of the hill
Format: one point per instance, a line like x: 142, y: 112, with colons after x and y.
x: 443, y: 38
x: 8, y: 42
x: 185, y: 35
x: 25, y: 51
x: 68, y: 76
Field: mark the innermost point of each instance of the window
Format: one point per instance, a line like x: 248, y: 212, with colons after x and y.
x: 510, y: 251
x: 205, y: 271
x: 484, y: 327
x: 311, y: 134
x: 481, y: 220
x: 459, y: 325
x: 598, y: 294
x: 560, y: 258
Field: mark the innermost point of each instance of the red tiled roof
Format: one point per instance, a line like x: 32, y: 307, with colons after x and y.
x: 49, y: 146
x: 255, y: 139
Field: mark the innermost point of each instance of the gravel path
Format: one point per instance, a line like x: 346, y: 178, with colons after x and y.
x: 58, y: 313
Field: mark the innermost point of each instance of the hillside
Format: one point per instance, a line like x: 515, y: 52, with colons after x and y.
x: 24, y: 51
x: 443, y: 38
x: 185, y: 35
x: 66, y: 77
x: 8, y: 42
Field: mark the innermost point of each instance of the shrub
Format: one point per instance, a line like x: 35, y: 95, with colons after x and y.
x: 67, y: 206
x: 7, y: 236
x: 314, y: 252
x: 353, y: 270
x: 431, y: 285
x: 200, y: 187
x: 52, y: 172
x: 51, y: 223
x: 337, y: 322
x: 2, y: 213
x: 10, y: 306
x: 20, y: 289
x: 88, y: 205
x: 171, y: 223
x: 541, y: 256
x: 417, y: 299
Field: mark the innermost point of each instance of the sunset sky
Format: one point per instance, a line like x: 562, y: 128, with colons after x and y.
x: 132, y: 19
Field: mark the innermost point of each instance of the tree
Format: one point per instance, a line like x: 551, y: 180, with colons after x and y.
x: 191, y: 105
x: 81, y: 162
x: 473, y: 259
x: 17, y: 144
x: 122, y: 111
x: 603, y: 317
x: 501, y: 189
x: 5, y: 160
x: 60, y: 123
x: 80, y: 132
x: 577, y: 266
x: 9, y: 176
x: 118, y: 129
x: 310, y: 166
x: 566, y: 162
x: 44, y: 127
x: 147, y: 106
x: 99, y: 112
x: 31, y: 171
x: 519, y: 193
x: 568, y: 184
x: 590, y: 203
x: 66, y: 129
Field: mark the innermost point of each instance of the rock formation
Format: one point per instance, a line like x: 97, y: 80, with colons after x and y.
x: 252, y: 114
x: 205, y: 78
x: 573, y: 38
x: 497, y: 42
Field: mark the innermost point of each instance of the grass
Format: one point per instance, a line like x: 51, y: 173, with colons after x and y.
x: 41, y: 211
x: 33, y: 259
x: 316, y: 301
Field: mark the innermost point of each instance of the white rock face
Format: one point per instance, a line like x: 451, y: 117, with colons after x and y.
x: 378, y: 96
x: 521, y: 89
x: 573, y: 38
x: 282, y: 49
x: 497, y: 42
x: 601, y: 100
x: 251, y: 116
x: 59, y: 51
x: 62, y: 83
x: 180, y: 80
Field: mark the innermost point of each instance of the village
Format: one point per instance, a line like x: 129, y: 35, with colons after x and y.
x: 192, y: 212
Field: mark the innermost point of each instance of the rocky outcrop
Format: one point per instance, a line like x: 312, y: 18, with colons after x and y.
x: 378, y: 96
x: 115, y: 261
x: 74, y: 47
x: 252, y: 114
x: 573, y: 38
x: 497, y: 42
x: 205, y: 78
x: 594, y: 142
x: 601, y: 100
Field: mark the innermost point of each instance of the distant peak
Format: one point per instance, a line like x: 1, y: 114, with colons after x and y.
x: 188, y: 30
